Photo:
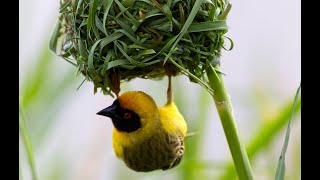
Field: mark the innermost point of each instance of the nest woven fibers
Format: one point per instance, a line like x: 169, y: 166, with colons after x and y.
x: 111, y: 41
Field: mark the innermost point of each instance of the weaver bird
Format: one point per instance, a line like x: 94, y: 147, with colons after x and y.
x: 146, y: 137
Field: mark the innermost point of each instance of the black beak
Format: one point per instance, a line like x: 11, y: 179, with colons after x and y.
x: 109, y: 111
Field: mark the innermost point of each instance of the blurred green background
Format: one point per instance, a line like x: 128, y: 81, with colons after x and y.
x: 70, y: 142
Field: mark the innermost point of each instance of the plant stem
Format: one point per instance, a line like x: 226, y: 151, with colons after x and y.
x: 265, y: 134
x: 224, y: 108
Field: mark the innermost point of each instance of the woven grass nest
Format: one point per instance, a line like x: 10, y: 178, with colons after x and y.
x: 111, y: 41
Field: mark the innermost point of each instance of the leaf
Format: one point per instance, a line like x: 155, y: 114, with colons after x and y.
x: 117, y: 63
x: 281, y: 164
x: 90, y: 57
x: 78, y: 6
x: 131, y: 18
x: 166, y: 26
x: 106, y: 4
x: 185, y: 27
x: 208, y: 26
x: 92, y: 15
x: 105, y: 41
x: 128, y: 3
x: 82, y: 49
x: 54, y: 37
x: 146, y: 52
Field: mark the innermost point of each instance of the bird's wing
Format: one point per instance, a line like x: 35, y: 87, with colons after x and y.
x: 171, y: 119
x: 176, y: 144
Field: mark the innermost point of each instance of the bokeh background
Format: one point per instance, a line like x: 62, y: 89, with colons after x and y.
x: 70, y: 142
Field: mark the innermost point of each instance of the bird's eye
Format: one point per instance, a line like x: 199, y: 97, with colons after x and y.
x: 127, y: 115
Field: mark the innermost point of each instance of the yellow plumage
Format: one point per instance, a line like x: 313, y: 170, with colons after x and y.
x: 146, y: 137
x: 171, y: 120
x: 156, y: 123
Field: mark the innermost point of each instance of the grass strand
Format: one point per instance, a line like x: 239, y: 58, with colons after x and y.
x: 281, y: 164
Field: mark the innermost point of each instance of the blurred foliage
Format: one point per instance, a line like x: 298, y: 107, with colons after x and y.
x: 40, y: 93
x: 40, y: 97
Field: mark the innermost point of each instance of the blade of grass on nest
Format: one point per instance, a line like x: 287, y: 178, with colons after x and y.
x: 231, y: 44
x: 82, y: 49
x: 208, y: 26
x: 225, y: 13
x: 104, y: 41
x: 131, y: 18
x: 281, y: 164
x: 91, y: 18
x: 203, y: 84
x: 54, y: 37
x: 78, y: 6
x: 184, y: 29
x: 106, y: 5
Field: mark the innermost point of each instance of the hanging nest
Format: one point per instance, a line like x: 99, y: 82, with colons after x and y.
x: 111, y: 41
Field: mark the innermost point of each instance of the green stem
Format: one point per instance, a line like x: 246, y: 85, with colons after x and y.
x: 265, y: 135
x: 224, y: 108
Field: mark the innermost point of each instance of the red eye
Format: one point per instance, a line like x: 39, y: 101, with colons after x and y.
x: 127, y: 116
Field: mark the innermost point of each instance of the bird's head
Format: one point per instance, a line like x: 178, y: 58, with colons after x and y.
x: 132, y: 111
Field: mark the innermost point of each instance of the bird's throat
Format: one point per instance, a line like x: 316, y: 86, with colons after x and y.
x: 127, y: 125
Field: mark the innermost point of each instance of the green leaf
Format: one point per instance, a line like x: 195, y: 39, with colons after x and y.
x: 64, y: 6
x: 131, y: 17
x: 105, y: 41
x: 117, y: 63
x: 106, y: 4
x: 128, y: 3
x: 166, y: 26
x: 92, y: 14
x: 90, y: 57
x: 208, y: 26
x: 54, y: 37
x: 125, y: 27
x: 185, y: 27
x: 281, y: 164
x: 82, y: 49
x: 146, y: 52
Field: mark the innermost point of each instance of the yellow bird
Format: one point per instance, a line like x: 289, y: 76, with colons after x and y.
x: 146, y: 137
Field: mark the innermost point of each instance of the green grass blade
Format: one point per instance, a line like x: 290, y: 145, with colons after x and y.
x: 281, y: 165
x: 131, y: 17
x: 54, y: 37
x: 27, y: 142
x: 107, y: 5
x: 78, y: 6
x: 208, y: 26
x: 265, y: 135
x: 117, y: 63
x: 82, y: 49
x: 185, y: 27
x: 105, y: 41
x: 92, y: 15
